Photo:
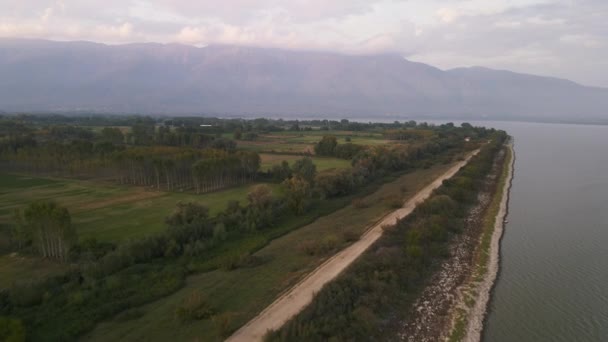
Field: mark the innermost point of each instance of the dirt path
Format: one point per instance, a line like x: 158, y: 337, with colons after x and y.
x: 298, y: 297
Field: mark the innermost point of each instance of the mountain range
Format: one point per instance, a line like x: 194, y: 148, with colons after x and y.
x: 150, y: 78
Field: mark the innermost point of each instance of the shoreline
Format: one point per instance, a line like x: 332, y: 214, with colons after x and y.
x: 483, y: 280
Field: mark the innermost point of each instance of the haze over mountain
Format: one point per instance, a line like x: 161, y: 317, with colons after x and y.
x: 37, y: 75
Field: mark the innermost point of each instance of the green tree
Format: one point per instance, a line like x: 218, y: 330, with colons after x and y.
x: 259, y: 213
x: 297, y: 194
x: 281, y: 172
x: 238, y: 134
x: 113, y: 135
x: 48, y: 227
x: 327, y: 146
x: 306, y: 169
x: 11, y: 330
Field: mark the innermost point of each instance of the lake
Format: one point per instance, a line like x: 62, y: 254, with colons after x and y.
x: 553, y: 281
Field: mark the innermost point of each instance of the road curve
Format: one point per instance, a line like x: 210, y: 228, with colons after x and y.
x: 298, y: 297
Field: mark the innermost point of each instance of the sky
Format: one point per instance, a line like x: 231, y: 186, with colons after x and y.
x: 562, y: 38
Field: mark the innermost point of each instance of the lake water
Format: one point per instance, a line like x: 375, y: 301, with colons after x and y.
x: 553, y: 282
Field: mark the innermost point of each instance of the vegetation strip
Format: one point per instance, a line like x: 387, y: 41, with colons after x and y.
x: 371, y: 299
x: 302, y: 294
x: 469, y: 318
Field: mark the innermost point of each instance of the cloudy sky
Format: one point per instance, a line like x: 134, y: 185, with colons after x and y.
x: 564, y: 38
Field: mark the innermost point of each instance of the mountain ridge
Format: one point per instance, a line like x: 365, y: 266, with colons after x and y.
x: 154, y: 78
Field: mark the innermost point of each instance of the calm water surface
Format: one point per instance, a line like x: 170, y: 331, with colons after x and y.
x: 553, y: 283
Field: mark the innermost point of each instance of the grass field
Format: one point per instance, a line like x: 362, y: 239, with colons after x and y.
x: 322, y: 163
x: 18, y: 269
x: 304, y: 141
x: 240, y: 294
x: 104, y: 211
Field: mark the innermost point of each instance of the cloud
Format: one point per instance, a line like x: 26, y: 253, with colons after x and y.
x: 191, y: 35
x: 584, y: 40
x: 539, y: 36
x: 121, y: 32
x: 447, y: 15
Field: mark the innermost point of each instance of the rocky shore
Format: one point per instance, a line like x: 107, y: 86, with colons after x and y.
x: 452, y: 307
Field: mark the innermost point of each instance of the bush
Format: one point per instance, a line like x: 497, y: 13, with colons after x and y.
x: 193, y: 308
x: 308, y: 247
x: 350, y: 236
x: 223, y: 323
x: 393, y: 201
x: 360, y: 203
x: 129, y: 315
x: 11, y: 330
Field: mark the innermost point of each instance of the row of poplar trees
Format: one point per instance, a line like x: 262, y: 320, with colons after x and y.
x: 47, y: 227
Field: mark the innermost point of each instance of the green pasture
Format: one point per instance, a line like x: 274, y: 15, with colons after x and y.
x: 238, y: 295
x: 105, y: 211
x: 322, y: 163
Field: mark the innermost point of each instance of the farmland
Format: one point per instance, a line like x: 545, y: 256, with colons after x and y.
x: 108, y: 212
x: 149, y: 228
x: 241, y: 293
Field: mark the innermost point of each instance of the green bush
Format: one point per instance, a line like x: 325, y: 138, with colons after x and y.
x: 11, y: 330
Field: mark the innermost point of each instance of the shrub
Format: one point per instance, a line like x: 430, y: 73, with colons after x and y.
x: 393, y: 201
x: 193, y: 308
x: 129, y: 315
x: 223, y: 323
x: 360, y: 203
x: 350, y: 236
x: 11, y: 330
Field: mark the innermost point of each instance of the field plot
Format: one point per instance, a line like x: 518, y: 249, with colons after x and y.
x: 303, y: 142
x: 19, y: 269
x: 104, y: 211
x: 238, y: 295
x: 322, y: 163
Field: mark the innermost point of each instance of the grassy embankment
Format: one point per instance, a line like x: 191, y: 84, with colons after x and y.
x: 482, y: 258
x: 240, y: 294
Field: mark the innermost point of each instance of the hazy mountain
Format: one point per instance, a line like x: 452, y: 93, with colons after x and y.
x: 40, y: 75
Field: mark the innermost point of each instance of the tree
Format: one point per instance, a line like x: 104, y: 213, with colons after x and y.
x: 297, y: 194
x: 327, y: 146
x: 259, y: 212
x: 281, y: 172
x: 143, y: 131
x: 113, y: 135
x: 238, y: 134
x: 188, y: 222
x: 48, y: 227
x: 11, y: 330
x: 188, y: 214
x: 306, y: 169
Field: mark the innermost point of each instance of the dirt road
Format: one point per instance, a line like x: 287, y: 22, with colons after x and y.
x: 298, y: 297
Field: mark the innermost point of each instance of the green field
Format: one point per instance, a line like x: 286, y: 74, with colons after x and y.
x: 322, y: 163
x: 105, y: 211
x: 15, y: 268
x: 304, y: 141
x: 240, y: 294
